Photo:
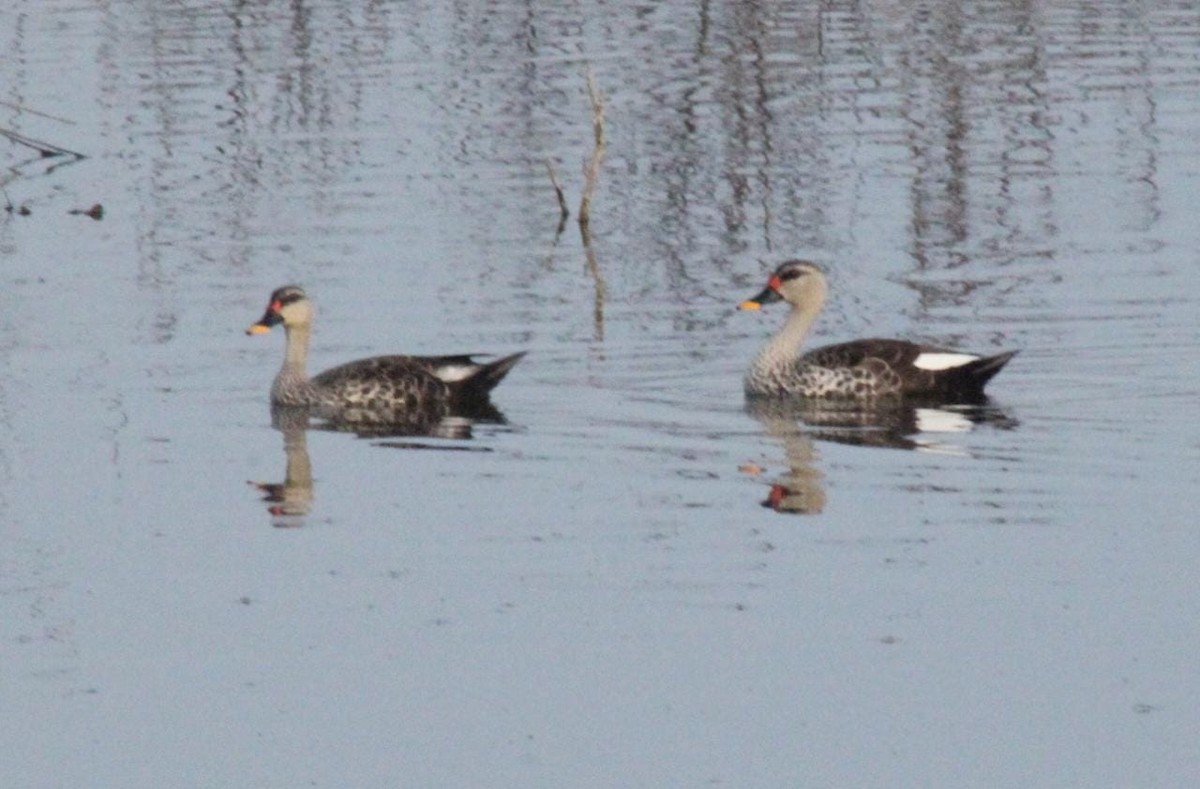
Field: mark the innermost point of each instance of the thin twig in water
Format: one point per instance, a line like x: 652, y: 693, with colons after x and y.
x: 592, y: 172
x: 44, y: 148
x: 27, y: 111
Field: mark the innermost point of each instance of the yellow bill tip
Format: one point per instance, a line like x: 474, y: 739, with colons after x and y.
x: 750, y: 304
x: 257, y: 328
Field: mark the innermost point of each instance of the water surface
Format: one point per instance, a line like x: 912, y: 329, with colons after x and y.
x: 592, y: 593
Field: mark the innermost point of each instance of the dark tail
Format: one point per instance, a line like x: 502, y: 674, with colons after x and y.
x: 972, y: 377
x: 491, y: 374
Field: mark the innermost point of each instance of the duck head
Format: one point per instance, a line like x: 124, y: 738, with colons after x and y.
x: 289, y: 306
x: 798, y: 282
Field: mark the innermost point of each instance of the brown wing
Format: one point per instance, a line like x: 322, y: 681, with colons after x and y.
x: 892, y: 363
x: 896, y: 354
x: 384, y: 382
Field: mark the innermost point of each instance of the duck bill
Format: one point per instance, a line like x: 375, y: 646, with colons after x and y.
x: 768, y: 296
x: 270, y: 318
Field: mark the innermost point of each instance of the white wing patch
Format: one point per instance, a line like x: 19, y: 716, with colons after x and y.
x: 943, y: 361
x: 941, y: 420
x: 456, y: 372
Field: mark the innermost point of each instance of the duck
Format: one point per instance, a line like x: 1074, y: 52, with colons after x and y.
x: 864, y: 370
x: 400, y: 385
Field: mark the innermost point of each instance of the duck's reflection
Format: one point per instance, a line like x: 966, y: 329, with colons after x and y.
x: 288, y: 502
x: 913, y: 425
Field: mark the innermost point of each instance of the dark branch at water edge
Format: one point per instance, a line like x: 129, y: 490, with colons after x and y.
x: 45, y: 149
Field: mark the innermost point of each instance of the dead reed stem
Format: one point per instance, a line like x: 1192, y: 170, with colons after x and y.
x: 591, y: 173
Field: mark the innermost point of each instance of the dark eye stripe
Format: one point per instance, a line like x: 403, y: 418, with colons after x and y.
x: 287, y: 296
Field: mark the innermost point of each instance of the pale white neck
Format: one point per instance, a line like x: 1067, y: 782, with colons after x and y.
x: 295, y: 357
x: 785, y: 345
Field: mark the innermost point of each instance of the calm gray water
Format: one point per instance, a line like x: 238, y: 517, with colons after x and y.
x: 592, y: 594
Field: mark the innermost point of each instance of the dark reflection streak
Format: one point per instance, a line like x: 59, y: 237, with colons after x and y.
x: 762, y: 108
x: 685, y: 153
x: 1142, y: 143
x: 936, y: 134
x: 740, y: 140
x: 1147, y: 173
x: 243, y: 161
x: 150, y: 260
x: 305, y: 99
x: 299, y: 83
x: 279, y: 69
x: 858, y: 37
x: 1013, y: 135
x: 825, y: 9
x: 1024, y: 115
x: 1124, y: 45
x: 837, y: 38
x: 14, y: 52
x: 529, y: 35
x: 528, y: 89
x: 1013, y: 128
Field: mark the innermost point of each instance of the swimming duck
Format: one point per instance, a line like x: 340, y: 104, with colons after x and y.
x: 856, y: 370
x: 383, y: 384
